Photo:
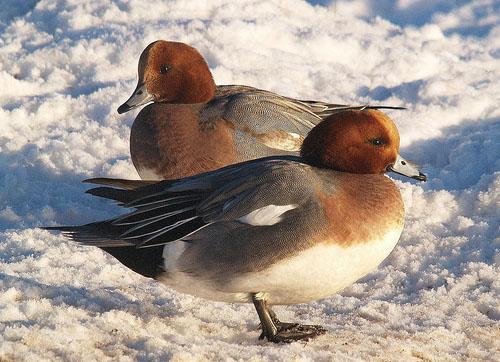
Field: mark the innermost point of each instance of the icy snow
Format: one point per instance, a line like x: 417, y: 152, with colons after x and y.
x: 66, y: 65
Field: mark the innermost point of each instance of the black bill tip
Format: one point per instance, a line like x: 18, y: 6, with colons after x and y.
x: 123, y: 108
x: 420, y: 177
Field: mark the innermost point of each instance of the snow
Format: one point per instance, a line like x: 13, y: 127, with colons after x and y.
x: 65, y: 66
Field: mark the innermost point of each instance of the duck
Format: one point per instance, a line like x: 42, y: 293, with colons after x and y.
x: 277, y: 230
x: 192, y: 126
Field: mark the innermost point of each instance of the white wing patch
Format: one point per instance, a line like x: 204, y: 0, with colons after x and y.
x: 267, y: 215
x: 281, y: 140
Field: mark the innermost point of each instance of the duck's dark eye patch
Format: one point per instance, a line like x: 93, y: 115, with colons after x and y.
x: 377, y: 142
x: 164, y: 69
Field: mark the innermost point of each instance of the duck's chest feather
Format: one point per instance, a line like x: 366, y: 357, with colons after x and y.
x: 168, y: 141
x: 360, y: 208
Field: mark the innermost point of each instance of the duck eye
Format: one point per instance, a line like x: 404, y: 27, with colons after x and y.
x: 377, y: 142
x: 164, y: 69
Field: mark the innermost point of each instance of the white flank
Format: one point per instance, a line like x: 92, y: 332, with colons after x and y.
x: 187, y: 283
x: 267, y: 215
x: 318, y: 272
x: 313, y: 274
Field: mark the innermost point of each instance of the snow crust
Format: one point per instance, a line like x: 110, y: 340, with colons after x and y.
x: 66, y: 65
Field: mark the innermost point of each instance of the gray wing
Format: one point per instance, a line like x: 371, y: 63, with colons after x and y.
x: 228, y: 245
x: 264, y: 120
x: 269, y: 119
x: 171, y: 210
x: 209, y: 212
x: 255, y: 107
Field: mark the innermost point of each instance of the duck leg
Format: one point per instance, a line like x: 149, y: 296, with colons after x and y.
x: 281, y: 332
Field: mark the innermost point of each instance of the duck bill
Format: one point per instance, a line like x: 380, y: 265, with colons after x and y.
x: 405, y: 168
x: 140, y: 97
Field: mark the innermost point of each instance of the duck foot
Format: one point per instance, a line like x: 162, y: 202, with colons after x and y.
x: 281, y: 332
x: 291, y: 332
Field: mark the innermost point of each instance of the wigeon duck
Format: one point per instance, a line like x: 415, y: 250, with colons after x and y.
x: 276, y: 230
x: 195, y: 126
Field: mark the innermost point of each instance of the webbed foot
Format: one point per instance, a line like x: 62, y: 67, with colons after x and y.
x: 281, y: 332
x: 291, y: 332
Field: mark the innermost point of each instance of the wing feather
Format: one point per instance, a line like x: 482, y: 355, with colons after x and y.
x: 269, y: 119
x: 169, y: 211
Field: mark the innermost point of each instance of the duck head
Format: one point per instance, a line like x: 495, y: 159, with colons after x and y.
x: 171, y: 72
x: 354, y: 141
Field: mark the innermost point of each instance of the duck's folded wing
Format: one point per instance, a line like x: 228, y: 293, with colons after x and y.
x: 262, y: 117
x: 255, y: 193
x: 268, y: 118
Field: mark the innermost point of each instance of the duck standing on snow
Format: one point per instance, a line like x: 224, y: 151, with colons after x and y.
x: 276, y: 230
x: 195, y: 126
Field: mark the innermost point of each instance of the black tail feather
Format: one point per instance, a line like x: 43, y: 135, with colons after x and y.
x: 323, y: 109
x: 100, y: 234
x: 145, y: 261
x: 122, y: 196
x: 130, y: 197
x: 137, y: 239
x: 329, y: 111
x: 119, y: 183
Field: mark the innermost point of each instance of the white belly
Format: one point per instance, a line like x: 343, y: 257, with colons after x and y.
x: 315, y: 273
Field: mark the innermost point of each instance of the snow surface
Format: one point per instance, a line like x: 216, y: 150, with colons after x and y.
x: 66, y: 65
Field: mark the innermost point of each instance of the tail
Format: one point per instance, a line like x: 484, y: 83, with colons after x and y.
x: 323, y: 109
x: 146, y: 261
x: 137, y: 239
